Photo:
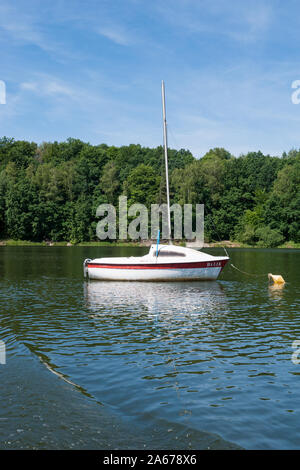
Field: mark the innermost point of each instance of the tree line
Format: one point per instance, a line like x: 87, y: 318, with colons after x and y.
x: 51, y: 191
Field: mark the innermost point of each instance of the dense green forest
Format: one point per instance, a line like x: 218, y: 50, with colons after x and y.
x: 51, y: 191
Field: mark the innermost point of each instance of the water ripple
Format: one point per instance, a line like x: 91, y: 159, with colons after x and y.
x: 214, y: 356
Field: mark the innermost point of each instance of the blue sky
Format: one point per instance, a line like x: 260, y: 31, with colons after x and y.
x: 92, y: 70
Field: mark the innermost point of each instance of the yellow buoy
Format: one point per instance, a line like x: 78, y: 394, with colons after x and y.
x: 276, y: 278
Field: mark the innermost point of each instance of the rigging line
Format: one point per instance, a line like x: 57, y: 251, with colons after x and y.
x: 173, y: 138
x: 212, y: 220
x: 221, y: 246
x: 226, y: 252
x: 231, y: 264
x: 162, y: 174
x: 248, y: 274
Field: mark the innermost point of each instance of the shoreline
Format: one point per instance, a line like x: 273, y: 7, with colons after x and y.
x: 140, y: 244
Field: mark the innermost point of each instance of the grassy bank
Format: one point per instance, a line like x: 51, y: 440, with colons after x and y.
x: 65, y: 243
x: 225, y: 243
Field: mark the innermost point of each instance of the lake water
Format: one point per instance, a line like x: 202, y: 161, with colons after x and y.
x: 111, y: 365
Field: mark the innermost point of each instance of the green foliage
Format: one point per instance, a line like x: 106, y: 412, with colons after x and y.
x: 109, y: 181
x: 51, y: 191
x: 19, y: 152
x: 142, y: 185
x: 268, y: 237
x: 282, y: 209
x: 248, y: 235
x: 263, y: 236
x: 219, y: 153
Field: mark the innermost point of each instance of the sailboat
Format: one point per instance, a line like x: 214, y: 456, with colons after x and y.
x: 163, y: 262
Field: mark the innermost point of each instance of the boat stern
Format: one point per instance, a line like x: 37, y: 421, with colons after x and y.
x: 85, y: 268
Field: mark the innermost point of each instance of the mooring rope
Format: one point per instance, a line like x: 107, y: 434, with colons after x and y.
x: 248, y: 274
x: 231, y: 264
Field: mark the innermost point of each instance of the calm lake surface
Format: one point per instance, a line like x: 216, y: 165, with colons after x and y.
x: 107, y: 365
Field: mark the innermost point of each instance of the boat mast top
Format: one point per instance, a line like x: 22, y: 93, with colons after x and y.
x: 166, y: 155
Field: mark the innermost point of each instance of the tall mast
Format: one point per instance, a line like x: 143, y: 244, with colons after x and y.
x: 166, y: 155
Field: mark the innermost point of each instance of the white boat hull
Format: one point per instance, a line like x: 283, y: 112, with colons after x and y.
x: 205, y: 271
x: 154, y: 275
x: 162, y: 263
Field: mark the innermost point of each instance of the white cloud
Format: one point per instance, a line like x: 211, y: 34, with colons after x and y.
x: 30, y: 86
x: 115, y: 34
x: 239, y: 20
x: 55, y: 88
x: 22, y: 27
x: 29, y: 26
x: 48, y: 86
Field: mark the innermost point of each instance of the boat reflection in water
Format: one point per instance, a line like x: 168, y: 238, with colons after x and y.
x: 168, y: 299
x: 154, y: 343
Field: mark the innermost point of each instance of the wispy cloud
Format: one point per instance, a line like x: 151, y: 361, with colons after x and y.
x: 94, y: 71
x: 116, y: 34
x: 22, y: 27
x: 87, y: 98
x: 241, y: 21
x: 49, y: 87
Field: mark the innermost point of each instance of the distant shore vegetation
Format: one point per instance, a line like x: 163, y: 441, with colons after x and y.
x: 49, y: 193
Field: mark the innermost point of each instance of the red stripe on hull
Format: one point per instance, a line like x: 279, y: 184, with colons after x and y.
x: 192, y: 265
